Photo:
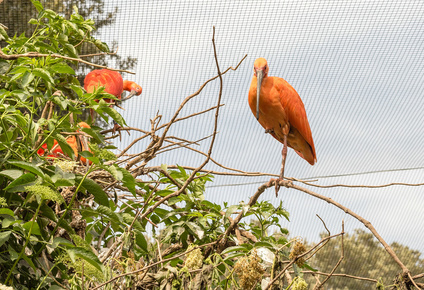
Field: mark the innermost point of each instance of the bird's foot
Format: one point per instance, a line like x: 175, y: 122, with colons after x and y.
x: 277, y: 184
x: 270, y: 131
x: 116, y: 127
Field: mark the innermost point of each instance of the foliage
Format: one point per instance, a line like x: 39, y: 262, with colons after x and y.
x: 62, y: 223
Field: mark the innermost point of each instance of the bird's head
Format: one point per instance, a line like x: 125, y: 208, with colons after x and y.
x: 133, y: 88
x: 260, y: 68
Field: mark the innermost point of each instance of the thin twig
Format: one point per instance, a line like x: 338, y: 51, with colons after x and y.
x: 319, y: 286
x: 340, y: 275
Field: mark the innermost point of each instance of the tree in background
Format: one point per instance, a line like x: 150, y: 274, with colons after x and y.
x: 363, y: 257
x: 15, y: 15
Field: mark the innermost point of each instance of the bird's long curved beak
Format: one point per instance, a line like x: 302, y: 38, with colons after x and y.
x: 259, y: 76
x: 130, y: 95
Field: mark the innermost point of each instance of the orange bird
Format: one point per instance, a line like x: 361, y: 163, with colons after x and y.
x: 57, y: 152
x: 112, y: 82
x: 279, y: 109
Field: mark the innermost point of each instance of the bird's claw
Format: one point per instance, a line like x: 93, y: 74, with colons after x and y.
x: 116, y: 126
x: 277, y: 184
x: 270, y: 131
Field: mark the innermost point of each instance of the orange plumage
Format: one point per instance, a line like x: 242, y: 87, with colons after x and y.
x: 281, y: 111
x: 112, y: 82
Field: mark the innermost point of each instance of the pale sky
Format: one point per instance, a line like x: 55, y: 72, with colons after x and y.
x: 357, y: 65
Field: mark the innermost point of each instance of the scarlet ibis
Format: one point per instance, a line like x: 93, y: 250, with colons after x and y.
x: 112, y: 82
x: 57, y: 152
x: 279, y: 109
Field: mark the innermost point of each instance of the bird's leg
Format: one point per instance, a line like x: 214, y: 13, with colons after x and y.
x: 283, y: 163
x: 115, y: 128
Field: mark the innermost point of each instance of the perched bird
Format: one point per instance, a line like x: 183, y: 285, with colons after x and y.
x: 279, y: 109
x: 57, y: 152
x: 113, y: 83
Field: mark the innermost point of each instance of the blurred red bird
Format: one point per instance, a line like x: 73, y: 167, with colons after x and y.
x: 279, y: 109
x: 57, y: 152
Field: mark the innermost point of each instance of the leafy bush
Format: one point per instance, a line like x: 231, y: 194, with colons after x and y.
x: 65, y: 224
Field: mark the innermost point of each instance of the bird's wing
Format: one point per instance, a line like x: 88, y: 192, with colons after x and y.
x: 295, y: 111
x: 111, y: 80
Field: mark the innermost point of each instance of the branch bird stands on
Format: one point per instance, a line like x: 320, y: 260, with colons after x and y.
x: 279, y: 109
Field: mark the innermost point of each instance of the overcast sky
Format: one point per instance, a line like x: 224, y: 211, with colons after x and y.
x: 357, y: 65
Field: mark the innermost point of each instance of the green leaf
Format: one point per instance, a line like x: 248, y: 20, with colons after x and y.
x: 140, y: 240
x: 28, y: 166
x: 67, y: 150
x: 263, y: 244
x: 7, y: 221
x: 173, y: 200
x: 114, y: 217
x: 12, y: 173
x: 3, y: 33
x: 64, y: 224
x: 70, y: 49
x: 77, y: 89
x: 230, y: 210
x: 196, y: 229
x: 62, y: 68
x: 27, y: 79
x: 86, y: 255
x: 114, y: 114
x: 305, y: 265
x: 61, y: 241
x: 92, y: 187
x: 128, y: 180
x: 44, y: 74
x: 29, y: 261
x: 59, y: 181
x: 37, y: 5
x: 4, y: 236
x: 6, y: 211
x: 117, y: 174
x: 164, y: 167
x: 48, y: 212
x: 21, y: 182
x: 13, y: 254
x: 33, y: 21
x: 35, y: 227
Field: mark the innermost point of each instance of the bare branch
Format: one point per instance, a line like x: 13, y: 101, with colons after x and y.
x: 339, y: 275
